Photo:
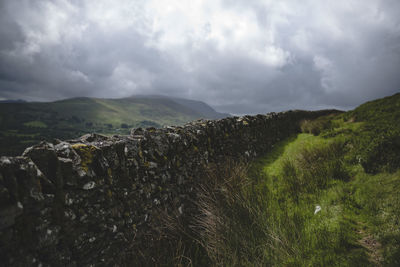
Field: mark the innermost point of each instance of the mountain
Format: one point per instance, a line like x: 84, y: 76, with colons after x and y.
x: 201, y: 108
x: 26, y: 123
x: 198, y: 106
x: 12, y: 101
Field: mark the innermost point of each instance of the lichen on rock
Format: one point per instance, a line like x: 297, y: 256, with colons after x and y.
x: 86, y: 153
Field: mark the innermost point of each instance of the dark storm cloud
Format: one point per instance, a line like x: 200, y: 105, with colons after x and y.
x: 239, y: 56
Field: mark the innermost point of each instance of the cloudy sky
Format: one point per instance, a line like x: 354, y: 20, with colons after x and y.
x: 240, y: 56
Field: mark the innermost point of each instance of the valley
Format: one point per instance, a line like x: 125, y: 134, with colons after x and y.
x: 23, y: 124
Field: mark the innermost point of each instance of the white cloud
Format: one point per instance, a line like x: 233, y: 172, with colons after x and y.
x: 325, y: 66
x: 128, y: 80
x: 227, y: 52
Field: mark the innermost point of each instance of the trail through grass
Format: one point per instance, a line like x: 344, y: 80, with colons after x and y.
x: 308, y: 171
x: 326, y: 238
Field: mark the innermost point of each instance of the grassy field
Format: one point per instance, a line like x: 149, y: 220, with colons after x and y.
x: 329, y: 196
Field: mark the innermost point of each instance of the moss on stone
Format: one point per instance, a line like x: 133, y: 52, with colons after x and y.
x: 110, y: 176
x: 86, y: 152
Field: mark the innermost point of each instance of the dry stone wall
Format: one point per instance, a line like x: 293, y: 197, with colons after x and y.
x: 98, y: 200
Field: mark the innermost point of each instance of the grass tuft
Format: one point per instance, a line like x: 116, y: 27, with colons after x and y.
x: 231, y: 225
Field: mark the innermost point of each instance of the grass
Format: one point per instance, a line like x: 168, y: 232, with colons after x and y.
x: 274, y: 161
x: 249, y: 217
x: 308, y: 173
x: 379, y: 194
x: 318, y: 125
x: 266, y: 215
x: 35, y: 124
x: 231, y: 225
x: 260, y: 216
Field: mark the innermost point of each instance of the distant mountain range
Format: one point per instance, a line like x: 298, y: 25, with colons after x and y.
x: 201, y: 108
x: 26, y: 123
x: 12, y: 101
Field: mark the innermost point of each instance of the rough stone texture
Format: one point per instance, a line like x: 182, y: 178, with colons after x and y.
x: 95, y: 200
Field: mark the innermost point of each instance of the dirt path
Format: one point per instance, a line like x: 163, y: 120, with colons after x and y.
x: 372, y: 245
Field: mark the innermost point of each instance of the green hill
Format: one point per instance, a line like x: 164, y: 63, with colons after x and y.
x: 23, y: 124
x: 385, y: 110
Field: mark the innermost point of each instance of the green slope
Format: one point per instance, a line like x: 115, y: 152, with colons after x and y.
x: 351, y: 169
x: 131, y: 111
x: 384, y: 110
x: 24, y: 124
x: 347, y: 165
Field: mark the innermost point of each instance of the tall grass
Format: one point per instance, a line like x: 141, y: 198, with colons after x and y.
x: 314, y: 174
x: 244, y: 221
x: 379, y: 196
x: 313, y: 168
x: 246, y: 217
x: 232, y: 223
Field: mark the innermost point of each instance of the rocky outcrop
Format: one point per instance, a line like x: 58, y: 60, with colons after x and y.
x: 98, y: 200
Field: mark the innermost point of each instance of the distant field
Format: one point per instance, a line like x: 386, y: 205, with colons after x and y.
x: 35, y: 124
x: 25, y: 124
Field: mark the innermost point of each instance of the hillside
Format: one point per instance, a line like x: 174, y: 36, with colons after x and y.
x: 201, y: 108
x: 197, y: 106
x: 23, y: 124
x: 329, y: 196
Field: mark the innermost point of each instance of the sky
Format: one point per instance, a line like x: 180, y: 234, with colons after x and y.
x: 239, y: 56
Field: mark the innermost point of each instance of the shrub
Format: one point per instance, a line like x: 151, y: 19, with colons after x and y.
x: 380, y: 151
x: 316, y: 126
